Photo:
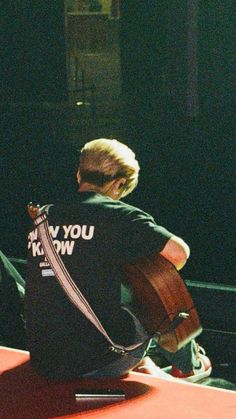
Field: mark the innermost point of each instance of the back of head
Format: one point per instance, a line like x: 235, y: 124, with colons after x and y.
x: 103, y: 160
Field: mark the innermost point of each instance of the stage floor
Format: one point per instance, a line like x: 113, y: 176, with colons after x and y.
x: 25, y: 395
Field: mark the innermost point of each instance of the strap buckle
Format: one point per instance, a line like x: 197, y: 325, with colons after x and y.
x: 119, y: 351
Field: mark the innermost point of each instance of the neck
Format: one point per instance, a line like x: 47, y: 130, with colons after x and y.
x: 87, y: 187
x: 107, y: 189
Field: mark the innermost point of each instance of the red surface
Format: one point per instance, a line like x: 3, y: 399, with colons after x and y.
x: 25, y: 395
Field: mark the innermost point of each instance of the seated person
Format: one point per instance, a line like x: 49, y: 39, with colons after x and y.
x: 96, y: 235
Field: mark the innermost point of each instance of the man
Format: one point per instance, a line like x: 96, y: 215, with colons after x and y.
x: 96, y: 235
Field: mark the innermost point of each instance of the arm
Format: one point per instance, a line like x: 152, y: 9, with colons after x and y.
x: 176, y: 251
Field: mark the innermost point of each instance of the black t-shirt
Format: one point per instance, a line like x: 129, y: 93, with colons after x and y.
x: 95, y: 236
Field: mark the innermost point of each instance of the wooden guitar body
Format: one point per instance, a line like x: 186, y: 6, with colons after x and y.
x: 161, y: 302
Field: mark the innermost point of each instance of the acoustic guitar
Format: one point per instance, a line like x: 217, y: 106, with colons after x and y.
x: 162, y: 302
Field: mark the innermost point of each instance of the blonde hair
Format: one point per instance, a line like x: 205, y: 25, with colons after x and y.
x: 103, y: 160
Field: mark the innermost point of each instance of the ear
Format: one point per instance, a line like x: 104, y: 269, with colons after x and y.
x: 78, y: 176
x: 120, y: 182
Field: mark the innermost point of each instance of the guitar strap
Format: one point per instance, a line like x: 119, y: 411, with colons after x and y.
x: 68, y: 285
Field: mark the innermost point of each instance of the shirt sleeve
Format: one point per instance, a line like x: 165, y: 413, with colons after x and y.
x: 141, y: 235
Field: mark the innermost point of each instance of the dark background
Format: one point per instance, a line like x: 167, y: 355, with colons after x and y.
x: 37, y: 162
x: 187, y: 160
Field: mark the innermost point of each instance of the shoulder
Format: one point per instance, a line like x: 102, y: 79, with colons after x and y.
x: 99, y: 206
x: 127, y: 210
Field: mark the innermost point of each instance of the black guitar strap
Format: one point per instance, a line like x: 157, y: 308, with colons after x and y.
x: 68, y: 285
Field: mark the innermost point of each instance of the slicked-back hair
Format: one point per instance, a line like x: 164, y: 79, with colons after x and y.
x: 103, y: 160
